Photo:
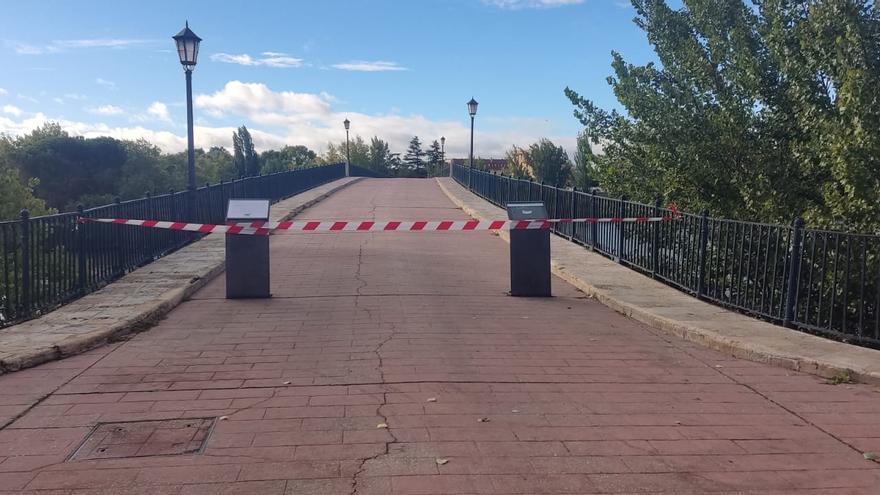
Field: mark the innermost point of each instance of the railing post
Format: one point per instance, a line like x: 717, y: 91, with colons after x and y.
x: 594, y: 226
x: 571, y: 212
x: 701, y: 259
x: 82, y: 283
x: 26, y: 261
x: 621, y: 212
x: 794, y: 271
x: 655, y: 239
x: 119, y: 250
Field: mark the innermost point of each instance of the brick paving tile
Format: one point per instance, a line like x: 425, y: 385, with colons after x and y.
x: 396, y: 364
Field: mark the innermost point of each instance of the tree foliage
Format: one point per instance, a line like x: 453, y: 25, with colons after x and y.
x: 287, y: 158
x: 380, y: 156
x: 549, y: 163
x: 16, y: 194
x: 414, y: 155
x: 762, y: 110
x: 48, y: 169
x: 434, y: 158
x: 244, y: 157
x: 584, y: 171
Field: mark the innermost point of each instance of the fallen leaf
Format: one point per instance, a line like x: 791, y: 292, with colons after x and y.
x: 287, y: 383
x: 432, y: 399
x: 482, y: 420
x: 515, y: 411
x: 223, y: 418
x: 381, y: 425
x: 441, y: 462
x: 718, y: 366
x: 870, y: 456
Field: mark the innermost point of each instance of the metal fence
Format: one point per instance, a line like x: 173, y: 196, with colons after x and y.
x: 817, y: 281
x: 49, y: 260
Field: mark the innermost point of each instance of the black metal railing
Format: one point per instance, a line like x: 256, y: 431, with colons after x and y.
x: 49, y: 260
x: 818, y: 281
x: 358, y: 171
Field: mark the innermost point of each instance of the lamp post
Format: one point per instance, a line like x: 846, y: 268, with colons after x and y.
x: 472, y: 109
x: 443, y: 153
x: 188, y: 51
x: 347, y: 124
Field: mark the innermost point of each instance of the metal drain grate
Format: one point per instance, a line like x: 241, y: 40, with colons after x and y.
x: 145, y: 438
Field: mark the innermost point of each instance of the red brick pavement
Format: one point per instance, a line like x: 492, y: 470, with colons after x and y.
x: 414, y: 331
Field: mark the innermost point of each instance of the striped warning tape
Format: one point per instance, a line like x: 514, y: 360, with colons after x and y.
x: 264, y: 228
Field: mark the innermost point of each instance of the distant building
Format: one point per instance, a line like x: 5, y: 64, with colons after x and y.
x: 491, y: 164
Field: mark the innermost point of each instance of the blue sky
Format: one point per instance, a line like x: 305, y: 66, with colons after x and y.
x: 293, y: 70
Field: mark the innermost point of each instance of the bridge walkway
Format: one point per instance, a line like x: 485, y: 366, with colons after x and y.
x: 395, y: 363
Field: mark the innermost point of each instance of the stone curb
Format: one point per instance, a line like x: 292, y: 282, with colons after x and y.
x: 863, y: 365
x: 145, y: 315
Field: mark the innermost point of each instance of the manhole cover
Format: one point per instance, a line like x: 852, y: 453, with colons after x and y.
x: 143, y: 438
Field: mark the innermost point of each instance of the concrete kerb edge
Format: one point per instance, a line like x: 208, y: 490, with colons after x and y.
x: 142, y: 320
x: 692, y: 333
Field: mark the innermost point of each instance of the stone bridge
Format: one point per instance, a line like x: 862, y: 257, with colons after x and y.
x: 395, y: 363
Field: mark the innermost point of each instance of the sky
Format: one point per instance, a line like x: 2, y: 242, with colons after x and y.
x: 292, y: 71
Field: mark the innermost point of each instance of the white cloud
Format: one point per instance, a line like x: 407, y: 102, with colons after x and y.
x: 270, y: 59
x: 106, y: 110
x: 365, y: 66
x: 12, y: 110
x: 279, y: 118
x: 27, y: 98
x: 58, y: 100
x: 107, y: 84
x: 3, y: 92
x: 310, y: 119
x: 63, y: 45
x: 159, y: 111
x: 530, y: 4
x: 262, y: 104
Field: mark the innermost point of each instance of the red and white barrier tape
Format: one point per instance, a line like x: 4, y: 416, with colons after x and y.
x: 264, y: 228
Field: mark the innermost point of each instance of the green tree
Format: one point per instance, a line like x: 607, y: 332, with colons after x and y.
x: 518, y: 165
x: 360, y: 151
x: 145, y: 169
x: 334, y: 154
x: 67, y: 167
x: 413, y: 157
x: 16, y: 194
x: 757, y: 110
x: 549, y: 163
x: 379, y: 156
x: 245, y: 158
x: 214, y: 165
x: 584, y: 172
x: 434, y: 158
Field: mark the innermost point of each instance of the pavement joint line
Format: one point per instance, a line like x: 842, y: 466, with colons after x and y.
x: 55, y: 390
x: 360, y: 384
x: 752, y: 389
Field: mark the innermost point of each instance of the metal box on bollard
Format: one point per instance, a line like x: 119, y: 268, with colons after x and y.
x: 529, y: 252
x: 247, y: 256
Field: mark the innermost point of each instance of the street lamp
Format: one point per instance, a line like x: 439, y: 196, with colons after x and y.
x: 443, y: 153
x: 472, y: 109
x: 347, y: 124
x: 188, y: 51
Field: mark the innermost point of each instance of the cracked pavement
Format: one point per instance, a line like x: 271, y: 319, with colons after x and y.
x: 415, y: 331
